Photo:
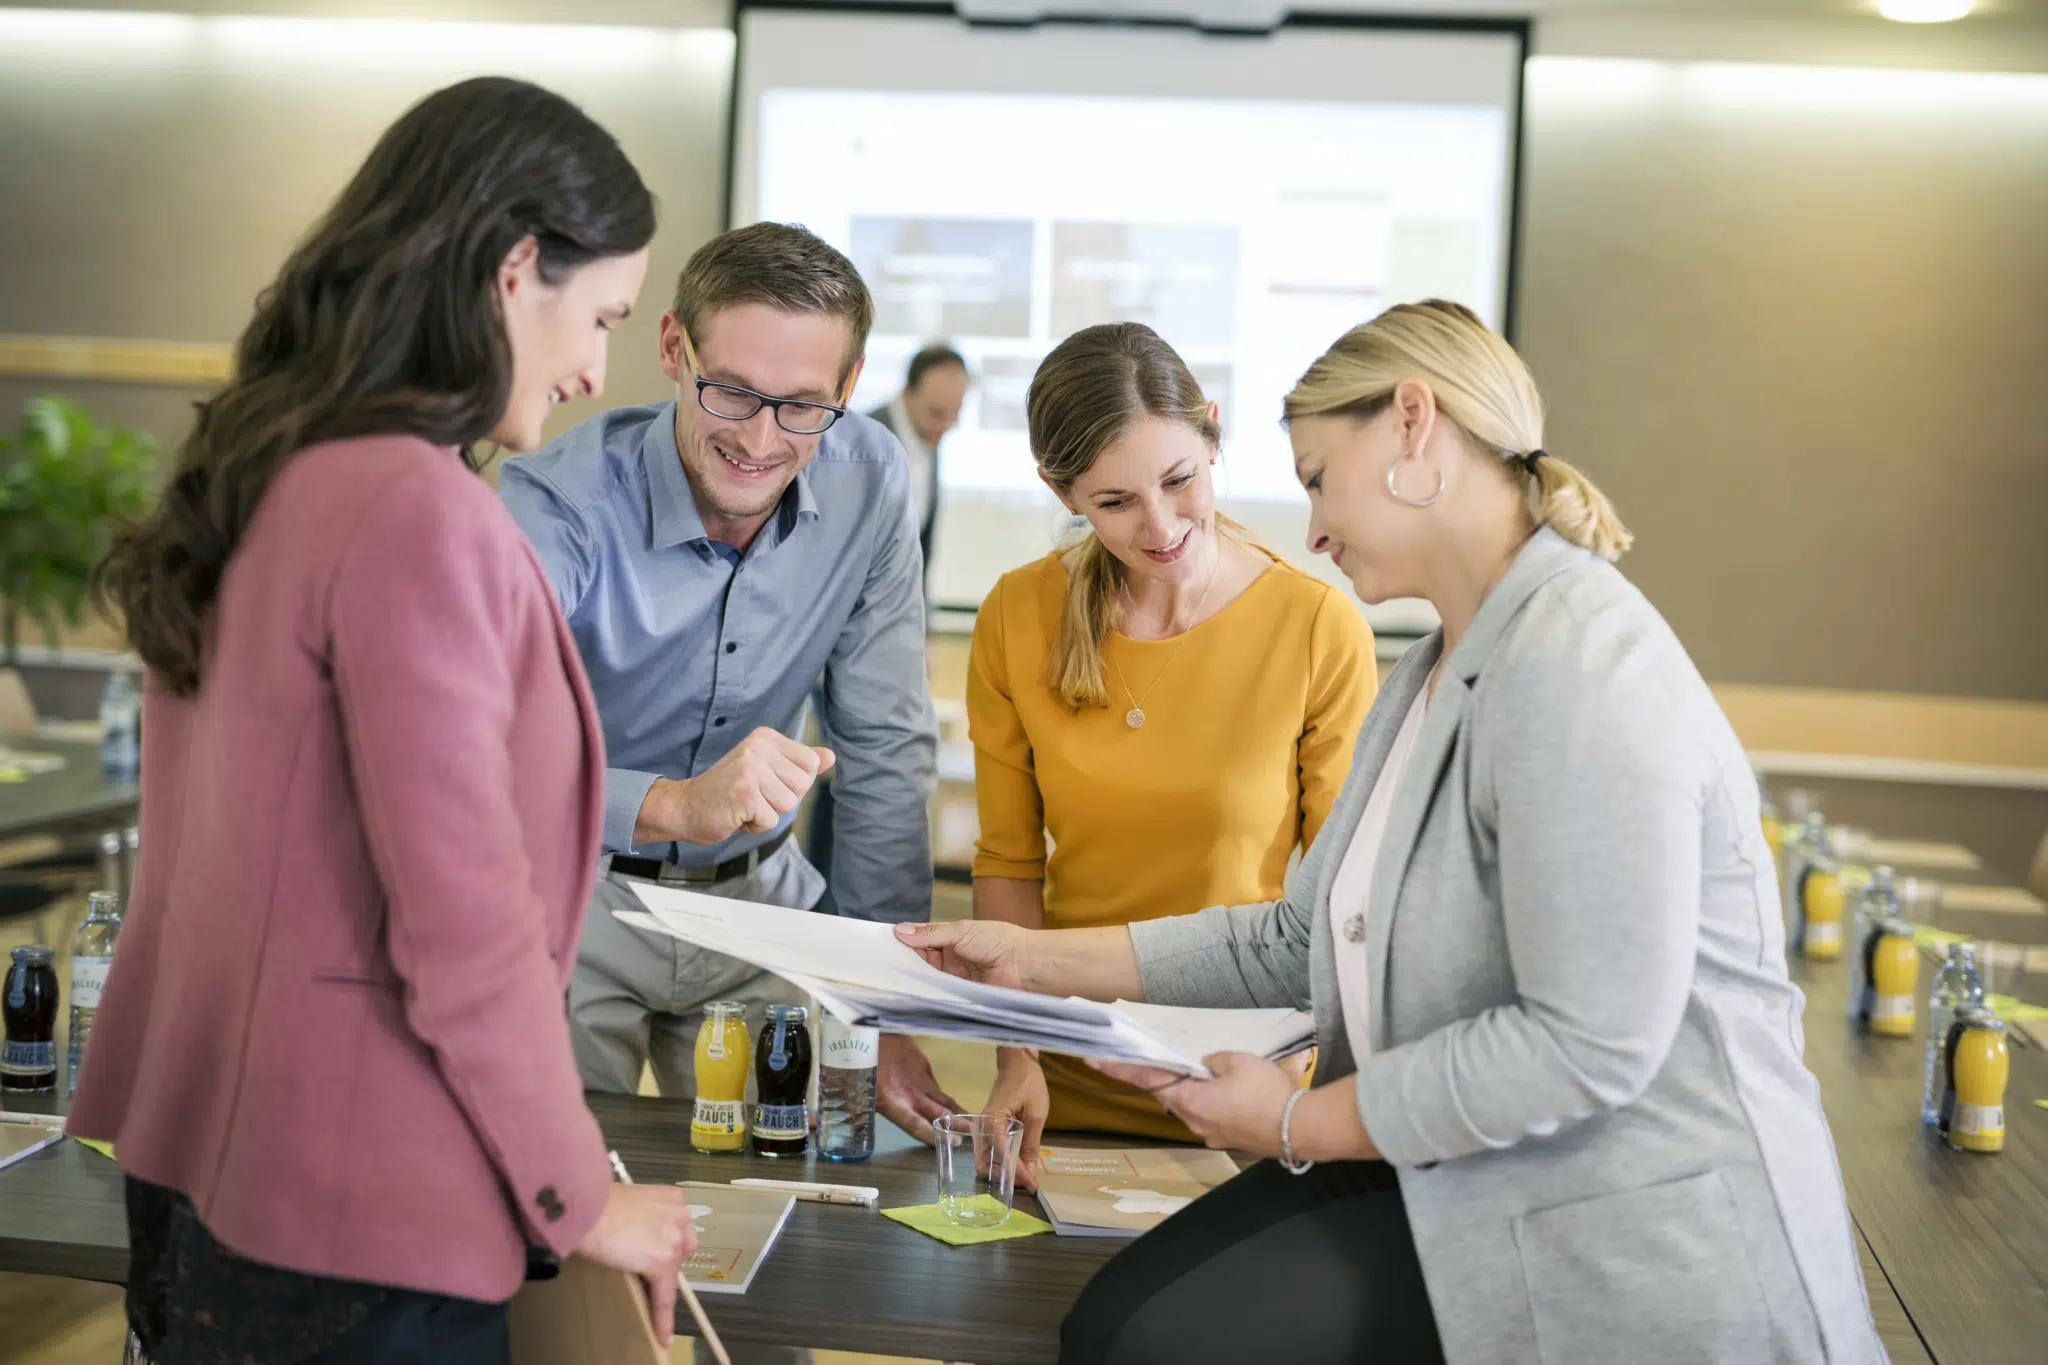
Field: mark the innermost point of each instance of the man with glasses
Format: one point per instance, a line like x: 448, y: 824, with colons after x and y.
x: 719, y: 557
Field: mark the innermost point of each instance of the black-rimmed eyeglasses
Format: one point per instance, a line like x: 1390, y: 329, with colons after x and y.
x: 795, y: 416
x: 798, y: 417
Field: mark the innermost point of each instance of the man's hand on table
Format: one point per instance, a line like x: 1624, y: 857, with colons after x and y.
x: 750, y: 790
x: 906, y: 1092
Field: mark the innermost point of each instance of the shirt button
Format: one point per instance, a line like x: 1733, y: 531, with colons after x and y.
x: 550, y: 1204
x: 730, y: 646
x: 718, y: 722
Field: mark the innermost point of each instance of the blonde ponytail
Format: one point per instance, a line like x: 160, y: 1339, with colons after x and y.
x: 1481, y: 385
x: 1095, y: 580
x: 1569, y: 504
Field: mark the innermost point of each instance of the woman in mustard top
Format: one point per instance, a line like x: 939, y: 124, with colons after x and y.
x: 1161, y: 713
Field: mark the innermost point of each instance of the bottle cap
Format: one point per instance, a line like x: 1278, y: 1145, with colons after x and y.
x: 34, y: 955
x: 1979, y: 1016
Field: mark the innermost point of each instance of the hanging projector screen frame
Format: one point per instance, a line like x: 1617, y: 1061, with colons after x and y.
x: 1518, y: 29
x: 744, y: 133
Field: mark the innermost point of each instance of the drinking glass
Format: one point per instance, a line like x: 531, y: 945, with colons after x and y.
x: 1919, y: 899
x: 977, y: 1167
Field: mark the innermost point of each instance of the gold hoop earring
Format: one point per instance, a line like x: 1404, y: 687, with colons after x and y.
x: 1395, y: 493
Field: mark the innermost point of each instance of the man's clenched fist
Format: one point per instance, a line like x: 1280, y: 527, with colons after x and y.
x: 763, y: 779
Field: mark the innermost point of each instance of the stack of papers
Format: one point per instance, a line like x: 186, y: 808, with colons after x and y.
x: 863, y: 975
x: 1122, y: 1192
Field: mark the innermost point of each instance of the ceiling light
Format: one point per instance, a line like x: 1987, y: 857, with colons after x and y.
x: 1924, y: 11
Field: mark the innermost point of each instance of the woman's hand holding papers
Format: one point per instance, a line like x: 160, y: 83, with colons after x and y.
x: 645, y: 1230
x: 1095, y: 964
x: 1239, y: 1108
x: 974, y: 950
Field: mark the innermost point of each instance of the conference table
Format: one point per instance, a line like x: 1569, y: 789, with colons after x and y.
x: 70, y: 801
x: 838, y: 1277
x: 1955, y: 1244
x: 1959, y: 1239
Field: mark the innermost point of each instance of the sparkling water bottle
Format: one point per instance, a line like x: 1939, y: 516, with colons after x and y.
x: 92, y: 956
x: 1956, y: 985
x: 846, y: 1090
x: 121, y: 728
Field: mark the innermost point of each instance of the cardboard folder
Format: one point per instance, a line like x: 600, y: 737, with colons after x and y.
x: 587, y: 1315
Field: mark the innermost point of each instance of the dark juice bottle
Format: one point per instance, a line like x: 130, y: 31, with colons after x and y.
x: 28, y: 1006
x: 782, y: 1082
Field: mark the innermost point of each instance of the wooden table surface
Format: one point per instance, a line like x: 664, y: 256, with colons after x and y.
x: 853, y: 1280
x: 838, y: 1277
x: 1961, y: 1237
x: 67, y: 801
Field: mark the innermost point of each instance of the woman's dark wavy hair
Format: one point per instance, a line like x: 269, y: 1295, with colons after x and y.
x: 383, y: 320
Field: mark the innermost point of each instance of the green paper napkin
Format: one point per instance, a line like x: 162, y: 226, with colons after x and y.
x: 929, y: 1220
x: 105, y: 1149
x: 1926, y: 937
x: 2041, y: 1104
x: 2010, y: 1009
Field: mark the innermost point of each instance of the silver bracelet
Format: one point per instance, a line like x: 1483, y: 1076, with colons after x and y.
x: 1287, y: 1157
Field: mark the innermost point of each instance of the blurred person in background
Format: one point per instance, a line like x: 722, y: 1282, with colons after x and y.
x: 1165, y: 700
x: 331, y: 1051
x: 1561, y: 1113
x: 919, y: 417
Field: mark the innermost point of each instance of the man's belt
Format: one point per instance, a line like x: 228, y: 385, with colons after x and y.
x: 655, y: 870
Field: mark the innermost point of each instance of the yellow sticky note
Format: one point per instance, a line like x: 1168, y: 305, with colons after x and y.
x: 2041, y: 1104
x: 105, y: 1149
x: 1925, y: 937
x: 929, y: 1220
x: 2012, y: 1009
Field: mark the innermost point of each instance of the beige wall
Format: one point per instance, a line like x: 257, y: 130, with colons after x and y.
x: 1794, y: 326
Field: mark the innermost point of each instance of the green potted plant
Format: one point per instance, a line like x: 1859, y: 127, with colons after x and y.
x: 63, y: 481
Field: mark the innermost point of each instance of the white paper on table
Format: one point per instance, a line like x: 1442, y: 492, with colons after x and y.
x: 861, y: 973
x: 1921, y: 856
x: 1990, y: 900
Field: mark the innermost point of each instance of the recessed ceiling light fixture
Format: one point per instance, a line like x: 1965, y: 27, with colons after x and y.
x: 1924, y: 11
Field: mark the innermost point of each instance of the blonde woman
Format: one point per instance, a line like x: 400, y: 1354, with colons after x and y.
x: 1169, y: 702
x: 1561, y: 1087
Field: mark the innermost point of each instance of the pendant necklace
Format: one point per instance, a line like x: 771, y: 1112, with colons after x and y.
x: 1135, y: 717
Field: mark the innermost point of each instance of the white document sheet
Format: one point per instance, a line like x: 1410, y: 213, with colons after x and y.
x: 862, y: 974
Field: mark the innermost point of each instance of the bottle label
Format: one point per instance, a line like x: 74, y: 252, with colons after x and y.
x: 28, y: 1059
x: 1979, y: 1120
x: 782, y: 1121
x: 1891, y: 1008
x: 848, y: 1047
x: 1822, y: 934
x: 88, y: 980
x: 720, y: 1116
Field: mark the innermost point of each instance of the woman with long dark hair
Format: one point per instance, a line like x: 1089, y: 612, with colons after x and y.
x: 332, y: 1050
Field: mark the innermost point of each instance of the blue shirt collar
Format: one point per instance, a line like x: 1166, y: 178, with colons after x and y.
x: 673, y: 507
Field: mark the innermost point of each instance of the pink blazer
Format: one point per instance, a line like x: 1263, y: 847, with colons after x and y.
x: 335, y: 1019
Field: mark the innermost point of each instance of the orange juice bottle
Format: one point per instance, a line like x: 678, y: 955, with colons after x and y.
x: 1821, y: 899
x: 719, y: 1123
x: 1894, y: 963
x: 1978, y: 1063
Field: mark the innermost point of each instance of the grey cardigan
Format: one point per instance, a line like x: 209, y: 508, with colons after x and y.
x: 1586, y: 1053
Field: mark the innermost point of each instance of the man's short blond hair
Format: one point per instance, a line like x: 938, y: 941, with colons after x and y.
x: 782, y: 265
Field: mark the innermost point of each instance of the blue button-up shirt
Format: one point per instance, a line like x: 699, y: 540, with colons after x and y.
x: 690, y: 650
